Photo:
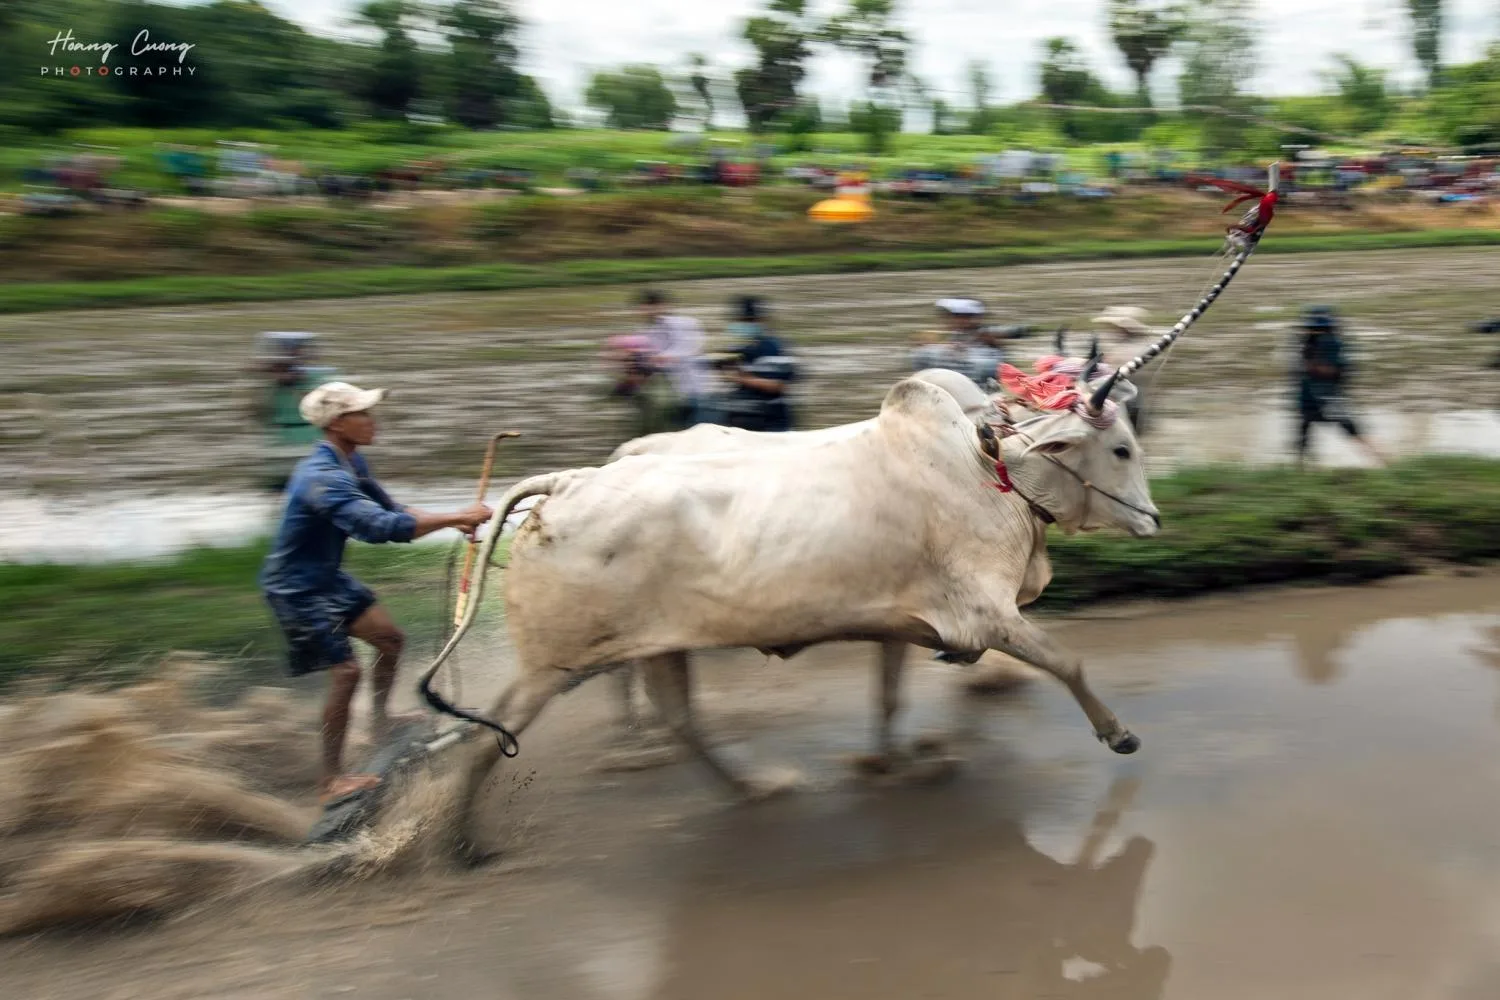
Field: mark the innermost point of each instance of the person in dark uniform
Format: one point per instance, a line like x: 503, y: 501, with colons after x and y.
x: 1321, y: 370
x: 760, y: 370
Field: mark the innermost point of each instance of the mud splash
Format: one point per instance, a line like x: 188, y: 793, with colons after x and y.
x: 143, y: 802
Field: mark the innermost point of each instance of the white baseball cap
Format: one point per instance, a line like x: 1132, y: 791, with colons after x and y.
x: 332, y: 400
x: 961, y: 307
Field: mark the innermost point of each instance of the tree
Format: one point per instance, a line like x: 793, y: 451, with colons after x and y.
x: 1144, y: 35
x: 1361, y: 90
x: 529, y: 107
x: 867, y: 30
x: 982, y: 117
x: 780, y: 37
x: 393, y: 79
x: 633, y: 97
x: 702, y: 86
x: 1219, y: 62
x: 1065, y: 78
x: 483, y: 75
x: 1427, y: 36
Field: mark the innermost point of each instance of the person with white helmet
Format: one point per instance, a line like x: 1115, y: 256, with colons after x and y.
x: 966, y: 346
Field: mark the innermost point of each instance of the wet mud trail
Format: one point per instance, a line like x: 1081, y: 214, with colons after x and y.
x: 1311, y: 815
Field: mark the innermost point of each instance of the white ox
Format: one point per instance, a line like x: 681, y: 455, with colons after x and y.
x: 707, y: 438
x: 901, y: 530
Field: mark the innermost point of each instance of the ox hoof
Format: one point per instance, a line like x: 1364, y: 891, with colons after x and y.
x: 1124, y: 742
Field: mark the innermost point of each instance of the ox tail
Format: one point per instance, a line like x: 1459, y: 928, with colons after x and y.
x: 535, y: 486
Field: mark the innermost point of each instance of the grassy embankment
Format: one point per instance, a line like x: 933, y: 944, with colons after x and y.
x: 1225, y: 528
x: 212, y: 251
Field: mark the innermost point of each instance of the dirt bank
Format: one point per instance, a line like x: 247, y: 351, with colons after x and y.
x: 273, y: 238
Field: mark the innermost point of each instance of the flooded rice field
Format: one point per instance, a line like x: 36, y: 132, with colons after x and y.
x: 144, y: 411
x: 147, y: 408
x: 1312, y: 815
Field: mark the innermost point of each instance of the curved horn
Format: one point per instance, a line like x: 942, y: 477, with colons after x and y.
x: 1088, y: 369
x: 1129, y: 368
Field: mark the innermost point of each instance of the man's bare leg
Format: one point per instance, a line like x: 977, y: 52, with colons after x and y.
x: 343, y: 680
x: 377, y: 628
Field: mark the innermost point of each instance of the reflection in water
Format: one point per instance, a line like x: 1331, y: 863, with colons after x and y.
x: 950, y: 907
x: 1489, y: 655
x: 1317, y: 642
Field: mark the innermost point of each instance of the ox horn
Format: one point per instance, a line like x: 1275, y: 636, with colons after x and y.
x: 1135, y: 364
x: 1088, y: 369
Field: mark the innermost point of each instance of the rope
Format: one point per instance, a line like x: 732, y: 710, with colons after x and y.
x: 445, y: 608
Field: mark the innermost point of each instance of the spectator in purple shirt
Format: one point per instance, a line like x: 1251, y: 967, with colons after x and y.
x: 332, y: 497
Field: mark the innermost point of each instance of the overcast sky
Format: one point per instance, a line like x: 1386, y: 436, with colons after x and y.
x: 567, y: 39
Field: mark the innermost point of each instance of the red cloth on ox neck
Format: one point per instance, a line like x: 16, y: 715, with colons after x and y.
x: 1004, y: 485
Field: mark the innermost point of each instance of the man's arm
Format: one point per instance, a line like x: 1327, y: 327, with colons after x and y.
x: 339, y: 498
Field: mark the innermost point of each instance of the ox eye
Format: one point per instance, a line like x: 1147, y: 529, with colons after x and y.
x: 1122, y: 452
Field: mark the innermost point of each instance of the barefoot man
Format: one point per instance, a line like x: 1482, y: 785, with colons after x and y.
x: 332, y: 497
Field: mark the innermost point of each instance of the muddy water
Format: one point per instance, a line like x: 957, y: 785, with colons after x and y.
x: 142, y: 409
x: 1312, y: 815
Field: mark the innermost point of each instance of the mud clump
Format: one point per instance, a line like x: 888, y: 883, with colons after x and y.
x: 139, y: 802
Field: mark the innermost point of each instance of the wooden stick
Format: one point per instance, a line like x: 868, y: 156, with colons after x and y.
x: 462, y: 603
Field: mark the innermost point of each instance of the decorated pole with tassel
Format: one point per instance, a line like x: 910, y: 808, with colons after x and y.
x: 1244, y: 238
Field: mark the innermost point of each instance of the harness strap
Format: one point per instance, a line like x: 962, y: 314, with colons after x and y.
x: 1006, y: 486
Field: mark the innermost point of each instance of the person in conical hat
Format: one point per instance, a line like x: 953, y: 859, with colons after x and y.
x: 1124, y: 333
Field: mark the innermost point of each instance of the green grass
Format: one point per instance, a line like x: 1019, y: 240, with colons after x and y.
x: 352, y: 282
x: 1241, y: 526
x: 109, y: 622
x: 1225, y: 528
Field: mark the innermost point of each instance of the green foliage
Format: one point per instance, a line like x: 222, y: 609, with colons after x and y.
x: 1362, y: 93
x: 1427, y: 36
x: 633, y: 97
x: 1236, y: 527
x: 781, y: 36
x: 483, y: 78
x: 394, y: 79
x: 1144, y: 35
x: 1219, y: 61
x: 876, y: 123
x: 1066, y: 79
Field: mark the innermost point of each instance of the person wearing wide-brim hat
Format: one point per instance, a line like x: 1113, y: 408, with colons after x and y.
x: 1125, y: 334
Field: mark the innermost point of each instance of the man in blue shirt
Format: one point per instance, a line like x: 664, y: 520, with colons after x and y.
x: 761, y: 372
x: 330, y: 498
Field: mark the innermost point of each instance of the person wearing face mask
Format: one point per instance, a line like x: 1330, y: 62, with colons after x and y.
x: 759, y: 370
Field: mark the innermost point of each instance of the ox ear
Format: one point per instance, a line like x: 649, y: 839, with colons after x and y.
x: 1057, y: 436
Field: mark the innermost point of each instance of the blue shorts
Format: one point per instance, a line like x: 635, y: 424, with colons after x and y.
x: 316, y: 626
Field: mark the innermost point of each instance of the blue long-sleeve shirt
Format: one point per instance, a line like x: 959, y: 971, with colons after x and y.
x: 329, y: 499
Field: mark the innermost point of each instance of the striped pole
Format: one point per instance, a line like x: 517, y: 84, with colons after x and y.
x: 1140, y: 361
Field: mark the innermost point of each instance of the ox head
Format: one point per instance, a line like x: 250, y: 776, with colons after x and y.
x: 1078, y: 459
